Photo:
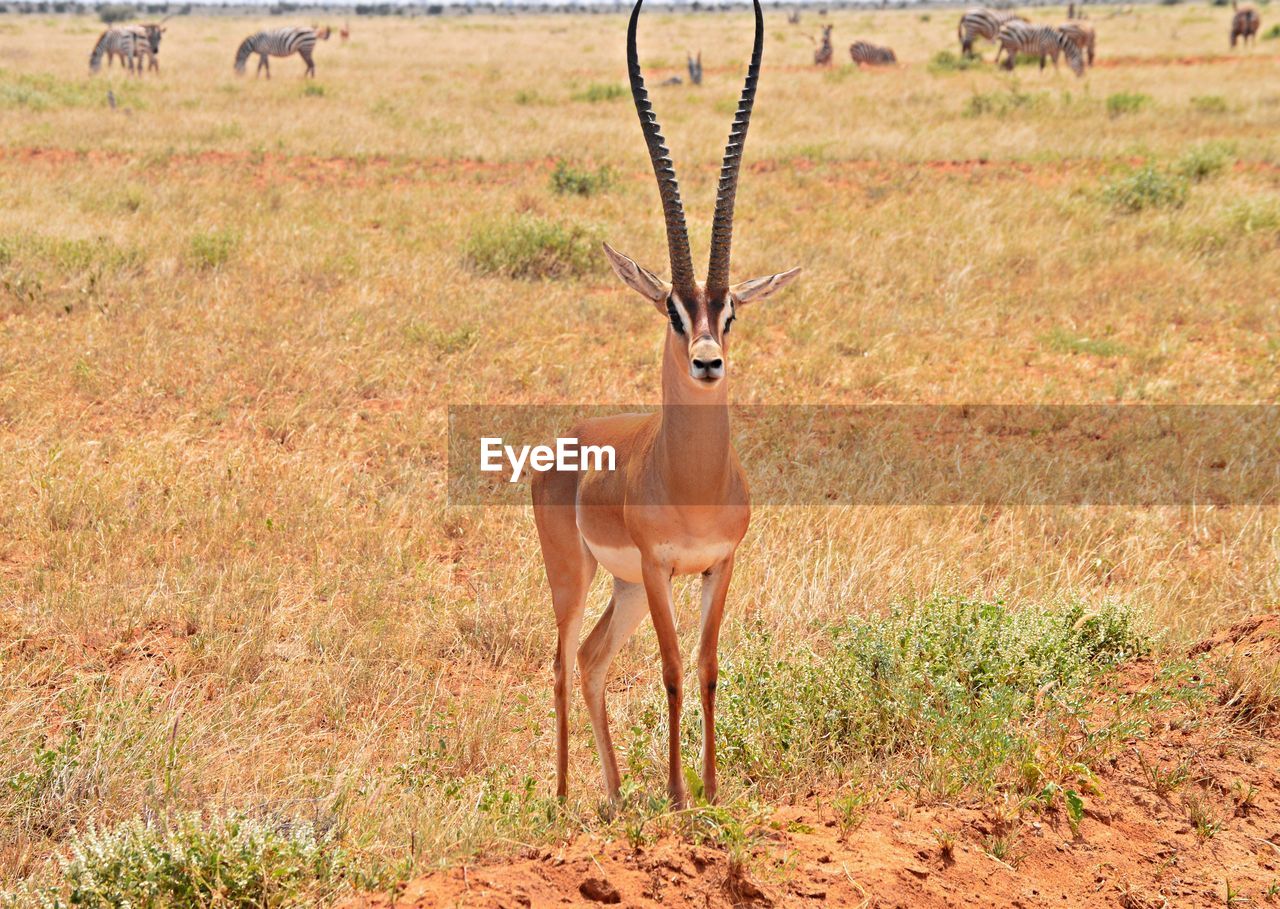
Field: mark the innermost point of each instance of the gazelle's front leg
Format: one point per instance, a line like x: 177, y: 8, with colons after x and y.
x: 657, y: 588
x: 715, y: 587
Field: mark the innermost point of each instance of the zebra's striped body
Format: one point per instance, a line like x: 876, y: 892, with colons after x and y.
x: 280, y: 42
x: 871, y: 54
x: 1038, y: 41
x: 1245, y: 23
x: 822, y: 56
x: 1084, y: 37
x: 980, y: 22
x: 130, y: 43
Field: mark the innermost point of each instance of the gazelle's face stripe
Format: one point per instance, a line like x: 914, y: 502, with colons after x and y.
x: 726, y: 316
x: 682, y: 313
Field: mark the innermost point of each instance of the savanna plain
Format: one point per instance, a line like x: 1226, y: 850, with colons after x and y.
x: 251, y: 655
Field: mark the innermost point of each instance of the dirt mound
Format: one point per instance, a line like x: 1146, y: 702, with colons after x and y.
x: 1187, y: 816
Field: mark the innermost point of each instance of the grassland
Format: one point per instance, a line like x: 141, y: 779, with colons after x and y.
x: 231, y: 312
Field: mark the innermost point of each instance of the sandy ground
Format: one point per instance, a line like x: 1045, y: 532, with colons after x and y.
x: 1134, y: 848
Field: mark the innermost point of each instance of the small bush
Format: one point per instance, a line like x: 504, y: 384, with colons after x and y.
x: 599, y: 91
x: 228, y: 860
x: 1126, y: 103
x: 312, y: 90
x: 1204, y: 161
x: 952, y: 686
x: 567, y: 180
x: 115, y: 12
x: 1146, y: 188
x: 949, y: 62
x: 1209, y: 104
x: 532, y: 248
x: 213, y: 249
x: 1272, y: 33
x: 1002, y: 103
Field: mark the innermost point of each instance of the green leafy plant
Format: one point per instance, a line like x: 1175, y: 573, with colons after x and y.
x: 212, y: 249
x: 531, y: 248
x: 600, y: 91
x: 1203, y: 161
x: 1126, y: 103
x: 567, y: 180
x: 946, y: 61
x: 1145, y: 188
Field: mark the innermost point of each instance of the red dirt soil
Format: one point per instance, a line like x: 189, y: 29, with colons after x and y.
x: 1135, y: 849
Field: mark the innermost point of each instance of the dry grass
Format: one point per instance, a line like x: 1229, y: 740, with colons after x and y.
x: 229, y: 320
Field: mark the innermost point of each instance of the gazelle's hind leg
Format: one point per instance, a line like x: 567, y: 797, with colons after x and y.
x: 625, y: 612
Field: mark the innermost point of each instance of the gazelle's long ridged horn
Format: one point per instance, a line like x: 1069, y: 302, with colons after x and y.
x: 673, y: 211
x: 722, y: 226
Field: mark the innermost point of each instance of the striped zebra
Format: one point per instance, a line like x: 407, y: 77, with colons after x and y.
x: 871, y: 54
x: 823, y: 54
x: 130, y: 43
x: 281, y: 42
x: 1083, y: 35
x: 1038, y: 41
x: 980, y: 22
x: 1245, y: 23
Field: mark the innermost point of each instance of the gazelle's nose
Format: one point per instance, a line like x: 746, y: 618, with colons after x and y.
x: 706, y: 360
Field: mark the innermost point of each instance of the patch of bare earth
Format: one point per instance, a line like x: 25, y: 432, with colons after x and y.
x: 1187, y: 816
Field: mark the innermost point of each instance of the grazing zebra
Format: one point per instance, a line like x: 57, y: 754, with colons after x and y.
x: 822, y: 56
x: 1083, y: 35
x: 130, y: 43
x: 1245, y: 23
x: 871, y: 54
x: 281, y: 42
x: 1038, y: 40
x: 980, y: 22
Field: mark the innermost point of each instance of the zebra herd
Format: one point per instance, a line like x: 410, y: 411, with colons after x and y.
x: 862, y: 52
x: 132, y: 43
x: 1014, y: 35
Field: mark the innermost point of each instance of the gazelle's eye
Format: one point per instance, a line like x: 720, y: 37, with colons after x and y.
x: 728, y: 322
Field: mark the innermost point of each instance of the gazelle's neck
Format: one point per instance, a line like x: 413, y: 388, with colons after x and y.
x: 693, y: 440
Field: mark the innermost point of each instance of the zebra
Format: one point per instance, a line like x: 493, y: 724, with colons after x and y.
x: 1083, y: 35
x: 1245, y: 23
x: 871, y: 54
x: 281, y: 42
x: 1038, y: 40
x: 824, y: 52
x: 129, y: 43
x: 980, y: 22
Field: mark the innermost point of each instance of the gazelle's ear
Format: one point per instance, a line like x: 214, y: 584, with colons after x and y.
x: 762, y: 288
x: 639, y: 279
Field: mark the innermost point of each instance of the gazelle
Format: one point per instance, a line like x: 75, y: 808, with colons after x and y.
x: 677, y: 503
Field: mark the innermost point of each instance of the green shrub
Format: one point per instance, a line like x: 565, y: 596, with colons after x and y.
x: 312, y: 90
x: 600, y: 91
x: 1002, y: 103
x: 1272, y: 33
x: 115, y: 12
x: 952, y: 687
x: 567, y: 180
x: 1204, y: 161
x: 1126, y: 103
x: 1209, y: 104
x: 213, y: 249
x: 1146, y: 188
x: 532, y: 248
x: 225, y: 860
x: 38, y: 92
x: 949, y: 62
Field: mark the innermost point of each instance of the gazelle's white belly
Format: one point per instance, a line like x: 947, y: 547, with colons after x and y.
x: 684, y: 557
